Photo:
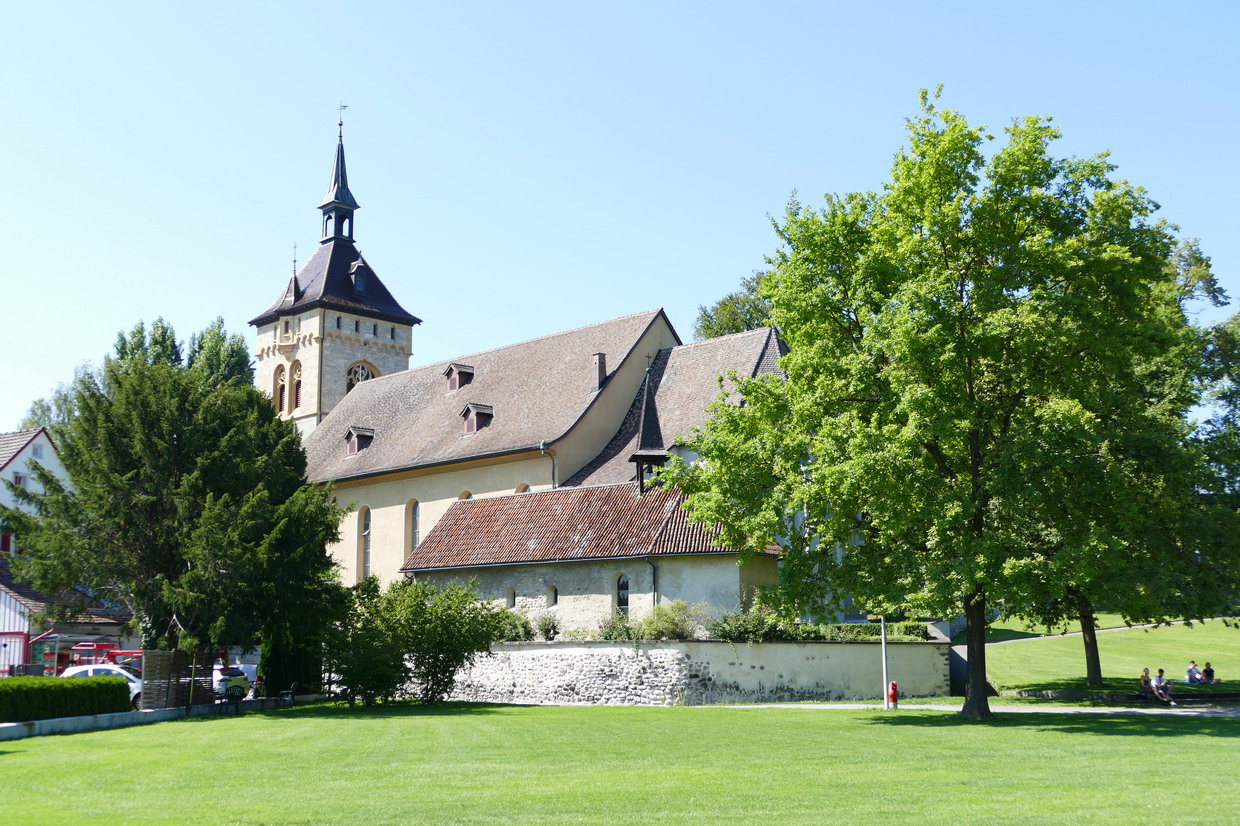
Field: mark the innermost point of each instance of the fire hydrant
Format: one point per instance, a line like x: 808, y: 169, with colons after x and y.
x: 893, y: 694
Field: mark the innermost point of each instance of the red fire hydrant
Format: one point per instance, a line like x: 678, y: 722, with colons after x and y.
x: 893, y: 694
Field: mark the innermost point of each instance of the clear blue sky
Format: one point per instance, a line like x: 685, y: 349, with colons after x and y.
x: 525, y: 168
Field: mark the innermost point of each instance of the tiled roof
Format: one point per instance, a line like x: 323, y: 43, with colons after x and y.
x: 11, y: 444
x: 36, y: 602
x: 327, y: 280
x: 611, y: 522
x: 683, y: 382
x: 538, y: 390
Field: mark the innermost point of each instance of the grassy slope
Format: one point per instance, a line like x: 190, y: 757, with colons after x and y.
x: 502, y: 764
x: 1058, y: 660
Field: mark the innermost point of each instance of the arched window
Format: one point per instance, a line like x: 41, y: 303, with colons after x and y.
x: 523, y: 488
x: 413, y: 519
x: 280, y: 390
x: 364, y: 541
x: 357, y: 374
x: 622, y: 594
x: 465, y: 495
x: 296, y: 397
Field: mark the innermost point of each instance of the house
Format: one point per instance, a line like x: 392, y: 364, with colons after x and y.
x: 562, y: 431
x: 21, y: 627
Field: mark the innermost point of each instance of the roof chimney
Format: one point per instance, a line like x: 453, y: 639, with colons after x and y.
x: 600, y: 370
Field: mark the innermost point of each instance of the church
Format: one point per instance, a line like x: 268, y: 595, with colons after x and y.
x: 526, y: 468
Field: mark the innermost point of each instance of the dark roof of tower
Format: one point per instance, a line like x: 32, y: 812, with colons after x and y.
x: 338, y: 190
x: 329, y: 279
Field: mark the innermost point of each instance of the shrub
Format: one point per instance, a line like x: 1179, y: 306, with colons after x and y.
x: 515, y: 626
x: 761, y: 623
x: 548, y: 627
x: 42, y: 698
x: 675, y: 620
x: 411, y: 638
x: 616, y: 627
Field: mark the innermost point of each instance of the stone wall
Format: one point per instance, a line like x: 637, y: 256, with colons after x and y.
x: 697, y: 673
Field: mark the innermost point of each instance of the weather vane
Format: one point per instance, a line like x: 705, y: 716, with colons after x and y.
x: 340, y: 121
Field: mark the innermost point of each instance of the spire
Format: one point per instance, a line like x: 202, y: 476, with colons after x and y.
x: 338, y: 204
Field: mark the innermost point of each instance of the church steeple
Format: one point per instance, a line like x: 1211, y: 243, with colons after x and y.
x: 338, y: 204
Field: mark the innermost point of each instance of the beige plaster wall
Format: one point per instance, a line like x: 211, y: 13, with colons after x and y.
x: 435, y: 490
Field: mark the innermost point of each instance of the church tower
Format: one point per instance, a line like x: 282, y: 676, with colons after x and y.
x: 335, y: 324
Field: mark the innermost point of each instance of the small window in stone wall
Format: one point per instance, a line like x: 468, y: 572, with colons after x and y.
x: 622, y: 594
x: 553, y: 596
x: 511, y: 599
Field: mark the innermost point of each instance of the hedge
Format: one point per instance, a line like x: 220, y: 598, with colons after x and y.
x: 763, y: 625
x: 42, y: 698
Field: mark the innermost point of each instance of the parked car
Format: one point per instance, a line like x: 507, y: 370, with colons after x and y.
x: 107, y: 670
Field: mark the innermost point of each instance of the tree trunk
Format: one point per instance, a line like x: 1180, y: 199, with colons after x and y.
x: 1089, y: 635
x: 977, y: 690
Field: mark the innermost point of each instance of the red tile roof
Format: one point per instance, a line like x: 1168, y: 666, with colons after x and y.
x: 561, y: 525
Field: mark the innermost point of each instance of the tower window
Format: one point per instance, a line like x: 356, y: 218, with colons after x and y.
x: 375, y: 331
x: 392, y: 333
x: 279, y: 390
x: 296, y: 385
x: 414, y: 520
x: 358, y: 373
x: 338, y: 319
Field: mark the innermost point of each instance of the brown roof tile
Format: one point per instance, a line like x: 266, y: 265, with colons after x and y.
x: 560, y: 525
x: 538, y: 390
x: 11, y: 444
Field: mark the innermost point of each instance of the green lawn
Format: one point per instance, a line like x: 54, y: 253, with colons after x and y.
x: 506, y: 764
x: 1059, y: 661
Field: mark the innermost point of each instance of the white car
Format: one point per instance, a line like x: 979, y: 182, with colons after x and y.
x: 109, y: 670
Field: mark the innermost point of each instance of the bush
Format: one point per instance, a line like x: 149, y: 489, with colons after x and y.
x: 617, y: 627
x: 548, y: 627
x: 760, y: 623
x: 675, y: 620
x: 515, y: 626
x: 410, y: 639
x: 42, y: 698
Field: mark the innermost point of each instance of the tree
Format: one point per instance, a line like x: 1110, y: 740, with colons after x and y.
x: 186, y: 503
x: 966, y: 416
x: 411, y: 638
x: 745, y: 309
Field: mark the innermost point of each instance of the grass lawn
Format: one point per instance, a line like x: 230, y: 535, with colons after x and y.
x: 1057, y: 661
x: 509, y: 764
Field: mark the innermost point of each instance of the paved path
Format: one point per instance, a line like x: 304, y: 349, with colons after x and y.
x: 1136, y: 711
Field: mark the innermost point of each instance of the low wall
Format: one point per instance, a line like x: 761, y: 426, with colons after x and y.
x: 695, y: 673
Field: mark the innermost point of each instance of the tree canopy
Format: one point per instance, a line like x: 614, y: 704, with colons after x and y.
x: 736, y: 312
x: 986, y: 395
x: 186, y: 502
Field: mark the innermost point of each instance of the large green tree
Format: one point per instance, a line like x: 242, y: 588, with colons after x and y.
x: 966, y: 415
x: 186, y: 502
x: 744, y: 309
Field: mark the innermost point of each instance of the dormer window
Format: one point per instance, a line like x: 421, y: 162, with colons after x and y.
x: 359, y: 282
x: 358, y: 439
x: 458, y: 375
x: 477, y: 416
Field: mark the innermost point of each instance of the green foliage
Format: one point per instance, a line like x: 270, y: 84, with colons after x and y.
x: 745, y: 309
x: 411, y: 638
x: 761, y: 623
x: 548, y: 627
x: 617, y: 627
x: 42, y: 698
x: 186, y: 503
x: 986, y: 396
x: 675, y: 620
x: 515, y: 626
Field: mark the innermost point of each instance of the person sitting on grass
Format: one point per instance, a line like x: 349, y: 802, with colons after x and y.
x: 1207, y: 675
x: 1193, y: 675
x: 1162, y: 688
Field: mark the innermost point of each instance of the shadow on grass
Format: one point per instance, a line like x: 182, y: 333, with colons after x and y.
x: 1114, y: 685
x: 331, y: 710
x: 1109, y: 725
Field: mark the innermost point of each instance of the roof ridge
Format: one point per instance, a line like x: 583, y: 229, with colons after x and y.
x: 653, y: 312
x: 754, y: 332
